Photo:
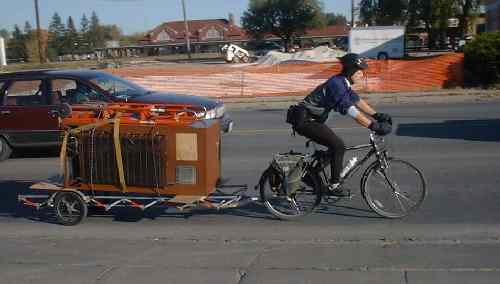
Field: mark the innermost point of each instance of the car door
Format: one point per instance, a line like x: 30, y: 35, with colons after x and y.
x: 27, y: 116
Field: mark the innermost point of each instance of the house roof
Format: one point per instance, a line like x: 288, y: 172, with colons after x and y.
x: 197, y: 28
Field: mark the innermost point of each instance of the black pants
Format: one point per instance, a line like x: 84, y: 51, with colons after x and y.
x: 324, y: 135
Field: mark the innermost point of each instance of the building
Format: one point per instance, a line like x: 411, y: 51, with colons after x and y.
x: 204, y: 35
x: 477, y: 25
x: 493, y: 15
x: 210, y: 36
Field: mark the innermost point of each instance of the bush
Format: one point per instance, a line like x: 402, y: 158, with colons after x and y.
x: 482, y: 60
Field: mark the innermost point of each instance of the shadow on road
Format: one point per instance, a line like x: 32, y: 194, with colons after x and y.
x: 474, y: 130
x: 10, y: 207
x: 347, y: 211
x: 9, y: 190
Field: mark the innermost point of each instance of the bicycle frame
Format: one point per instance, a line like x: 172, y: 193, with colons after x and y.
x: 374, y: 150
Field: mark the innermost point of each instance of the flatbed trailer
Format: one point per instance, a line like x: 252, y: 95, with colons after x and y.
x: 70, y: 205
x: 135, y: 155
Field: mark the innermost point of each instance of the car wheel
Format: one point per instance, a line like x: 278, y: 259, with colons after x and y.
x: 383, y: 56
x: 5, y: 149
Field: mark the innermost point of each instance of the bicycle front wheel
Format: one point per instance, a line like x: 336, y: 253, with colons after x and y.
x: 289, y: 205
x: 396, y: 191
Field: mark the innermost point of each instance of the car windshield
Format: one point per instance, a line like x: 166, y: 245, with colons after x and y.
x: 118, y: 87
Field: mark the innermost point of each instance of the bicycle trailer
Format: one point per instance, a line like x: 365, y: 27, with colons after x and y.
x: 134, y: 155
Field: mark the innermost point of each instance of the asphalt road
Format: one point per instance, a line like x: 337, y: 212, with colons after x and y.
x: 453, y: 238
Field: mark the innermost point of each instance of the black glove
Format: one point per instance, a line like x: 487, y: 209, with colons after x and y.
x: 380, y: 128
x: 382, y: 117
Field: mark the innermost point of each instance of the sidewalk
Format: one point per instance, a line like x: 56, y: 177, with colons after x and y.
x: 176, y: 253
x: 443, y: 96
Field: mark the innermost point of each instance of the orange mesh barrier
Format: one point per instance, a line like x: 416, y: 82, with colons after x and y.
x: 223, y: 81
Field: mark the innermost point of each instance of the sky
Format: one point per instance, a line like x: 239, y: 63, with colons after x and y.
x: 131, y: 15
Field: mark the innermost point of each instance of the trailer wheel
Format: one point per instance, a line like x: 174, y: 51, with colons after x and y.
x: 70, y: 208
x: 245, y: 59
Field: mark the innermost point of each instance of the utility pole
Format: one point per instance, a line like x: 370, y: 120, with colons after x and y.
x: 39, y: 33
x: 352, y: 14
x: 186, y: 27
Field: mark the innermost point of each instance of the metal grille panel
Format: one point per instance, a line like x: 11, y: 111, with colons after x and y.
x: 144, y: 159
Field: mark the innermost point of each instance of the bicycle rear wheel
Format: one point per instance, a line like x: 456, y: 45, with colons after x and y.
x: 396, y: 191
x: 292, y: 205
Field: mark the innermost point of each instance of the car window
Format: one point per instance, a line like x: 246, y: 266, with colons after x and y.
x: 25, y: 93
x: 117, y: 87
x: 73, y: 92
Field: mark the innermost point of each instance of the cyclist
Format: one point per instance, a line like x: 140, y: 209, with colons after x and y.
x: 309, y: 116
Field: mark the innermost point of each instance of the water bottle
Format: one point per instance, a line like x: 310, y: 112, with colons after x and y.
x: 349, y: 166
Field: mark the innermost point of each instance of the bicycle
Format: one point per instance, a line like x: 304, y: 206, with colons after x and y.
x: 291, y: 193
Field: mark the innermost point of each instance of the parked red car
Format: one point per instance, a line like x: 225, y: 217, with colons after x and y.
x: 30, y: 103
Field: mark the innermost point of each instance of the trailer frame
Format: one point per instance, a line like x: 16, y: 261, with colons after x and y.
x: 71, y: 205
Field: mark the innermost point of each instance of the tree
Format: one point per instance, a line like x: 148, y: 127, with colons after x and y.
x: 131, y: 39
x: 17, y: 49
x: 28, y: 37
x: 5, y: 34
x: 111, y: 32
x: 434, y: 15
x: 286, y: 19
x: 84, y: 24
x: 84, y: 36
x: 96, y: 35
x: 56, y: 34
x: 482, y: 60
x: 445, y: 10
x: 392, y: 12
x: 27, y: 28
x: 31, y: 46
x: 368, y: 12
x: 333, y: 19
x: 70, y: 36
x: 383, y: 12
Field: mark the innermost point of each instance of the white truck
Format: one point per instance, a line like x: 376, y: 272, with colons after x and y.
x: 381, y: 42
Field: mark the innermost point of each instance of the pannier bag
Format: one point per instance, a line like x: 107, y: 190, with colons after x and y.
x: 291, y: 167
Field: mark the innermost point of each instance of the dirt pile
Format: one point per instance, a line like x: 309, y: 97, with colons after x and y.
x: 318, y: 54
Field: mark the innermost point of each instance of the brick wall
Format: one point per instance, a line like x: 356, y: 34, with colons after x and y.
x: 414, y: 75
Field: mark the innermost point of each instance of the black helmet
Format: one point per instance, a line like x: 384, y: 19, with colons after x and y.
x: 353, y: 61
